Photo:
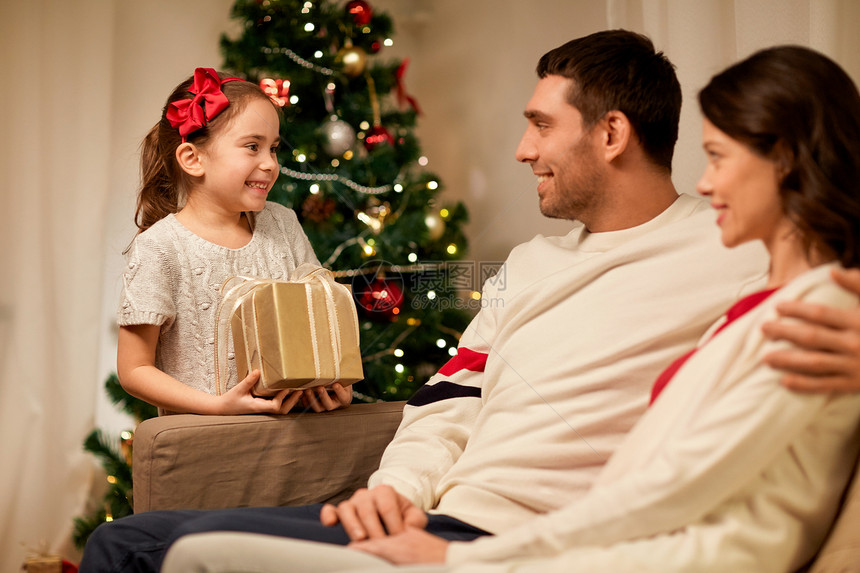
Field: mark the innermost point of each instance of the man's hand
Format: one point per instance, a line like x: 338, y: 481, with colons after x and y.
x: 828, y: 357
x: 410, y: 547
x: 374, y: 513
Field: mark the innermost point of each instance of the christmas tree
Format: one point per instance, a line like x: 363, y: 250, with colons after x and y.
x: 115, y: 457
x: 351, y: 168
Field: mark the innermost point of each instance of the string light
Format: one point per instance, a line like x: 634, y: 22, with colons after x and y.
x: 293, y: 174
x: 298, y: 59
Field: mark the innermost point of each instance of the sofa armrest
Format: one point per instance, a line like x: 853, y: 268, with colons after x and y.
x: 841, y: 551
x: 188, y: 461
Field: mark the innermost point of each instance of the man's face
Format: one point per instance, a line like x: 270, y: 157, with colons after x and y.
x: 562, y: 154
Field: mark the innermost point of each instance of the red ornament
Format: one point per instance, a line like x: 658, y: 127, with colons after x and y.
x: 375, y: 47
x: 360, y: 11
x: 381, y: 298
x: 378, y: 136
x: 277, y: 90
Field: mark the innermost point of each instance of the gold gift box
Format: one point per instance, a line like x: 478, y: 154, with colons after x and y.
x: 298, y: 334
x: 44, y: 564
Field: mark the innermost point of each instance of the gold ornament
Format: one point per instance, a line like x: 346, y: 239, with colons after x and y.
x: 352, y: 60
x: 435, y: 226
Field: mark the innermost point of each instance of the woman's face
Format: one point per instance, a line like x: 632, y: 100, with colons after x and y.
x: 743, y: 187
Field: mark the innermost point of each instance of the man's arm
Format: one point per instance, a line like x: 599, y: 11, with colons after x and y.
x: 437, y: 424
x: 828, y: 357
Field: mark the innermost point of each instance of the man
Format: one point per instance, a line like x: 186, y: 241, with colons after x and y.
x: 551, y: 376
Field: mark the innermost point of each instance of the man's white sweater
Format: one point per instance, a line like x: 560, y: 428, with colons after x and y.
x: 557, y: 367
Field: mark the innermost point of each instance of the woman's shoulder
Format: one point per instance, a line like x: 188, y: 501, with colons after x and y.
x: 817, y: 286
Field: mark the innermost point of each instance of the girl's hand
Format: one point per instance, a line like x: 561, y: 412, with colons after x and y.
x: 240, y: 399
x: 322, y: 399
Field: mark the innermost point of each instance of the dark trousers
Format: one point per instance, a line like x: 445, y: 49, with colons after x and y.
x: 138, y: 543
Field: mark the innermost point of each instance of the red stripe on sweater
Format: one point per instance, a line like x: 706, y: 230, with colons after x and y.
x: 465, y: 360
x: 739, y: 309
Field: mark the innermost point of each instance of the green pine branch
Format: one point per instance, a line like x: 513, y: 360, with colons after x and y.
x: 135, y: 407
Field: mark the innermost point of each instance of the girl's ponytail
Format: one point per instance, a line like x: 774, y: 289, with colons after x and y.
x: 159, y: 194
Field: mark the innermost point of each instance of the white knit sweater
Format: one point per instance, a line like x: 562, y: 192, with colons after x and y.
x: 173, y: 279
x: 574, y: 331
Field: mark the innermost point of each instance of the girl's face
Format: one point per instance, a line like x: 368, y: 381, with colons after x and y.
x: 744, y: 189
x: 239, y: 161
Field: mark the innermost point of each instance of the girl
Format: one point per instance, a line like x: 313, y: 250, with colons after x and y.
x: 728, y: 470
x: 207, y: 167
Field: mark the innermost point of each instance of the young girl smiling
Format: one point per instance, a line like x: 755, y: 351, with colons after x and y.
x: 207, y: 167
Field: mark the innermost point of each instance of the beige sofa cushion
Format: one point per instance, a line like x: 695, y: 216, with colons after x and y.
x: 208, y: 462
x: 841, y: 551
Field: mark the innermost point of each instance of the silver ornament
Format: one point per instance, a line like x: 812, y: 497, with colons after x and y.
x: 338, y: 137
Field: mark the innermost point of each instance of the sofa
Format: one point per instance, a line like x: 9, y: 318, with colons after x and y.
x: 210, y: 462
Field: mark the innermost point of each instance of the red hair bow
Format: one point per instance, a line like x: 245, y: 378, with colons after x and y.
x: 189, y: 115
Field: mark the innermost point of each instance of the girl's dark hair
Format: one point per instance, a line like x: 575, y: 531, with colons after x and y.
x: 164, y: 185
x: 798, y: 108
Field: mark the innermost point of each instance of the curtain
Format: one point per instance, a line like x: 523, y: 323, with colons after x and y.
x: 704, y: 36
x: 83, y: 82
x: 55, y: 153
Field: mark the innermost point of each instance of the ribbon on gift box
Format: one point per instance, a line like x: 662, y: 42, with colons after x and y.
x: 238, y: 291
